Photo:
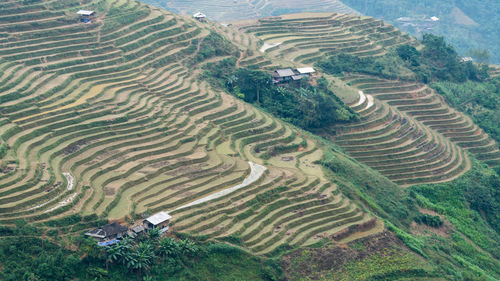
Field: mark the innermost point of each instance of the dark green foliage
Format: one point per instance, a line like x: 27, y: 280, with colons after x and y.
x: 409, y: 54
x: 214, y: 45
x: 26, y: 258
x: 340, y: 63
x: 438, y: 61
x: 476, y: 194
x: 32, y: 258
x: 430, y: 220
x: 309, y: 107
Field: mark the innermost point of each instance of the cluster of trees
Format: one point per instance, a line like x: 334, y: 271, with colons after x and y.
x: 140, y: 254
x: 437, y: 61
x: 339, y: 63
x: 430, y: 220
x: 300, y: 103
x: 214, y: 45
x: 26, y: 256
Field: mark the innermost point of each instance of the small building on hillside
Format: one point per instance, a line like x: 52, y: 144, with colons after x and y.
x: 200, y: 16
x: 107, y: 232
x: 306, y: 71
x: 283, y: 75
x: 136, y: 231
x: 85, y: 15
x: 287, y: 75
x: 159, y: 220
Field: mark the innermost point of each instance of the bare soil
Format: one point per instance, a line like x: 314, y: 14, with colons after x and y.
x: 310, y: 263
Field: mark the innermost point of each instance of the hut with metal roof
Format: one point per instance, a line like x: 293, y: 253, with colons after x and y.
x: 85, y: 15
x: 200, y: 16
x: 158, y: 220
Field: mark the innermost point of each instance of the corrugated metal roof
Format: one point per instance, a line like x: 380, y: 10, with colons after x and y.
x: 159, y: 218
x: 199, y: 15
x: 306, y: 70
x: 285, y: 72
x: 85, y: 12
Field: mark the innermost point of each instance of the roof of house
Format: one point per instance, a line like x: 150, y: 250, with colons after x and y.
x: 97, y: 233
x: 199, y: 15
x: 297, y: 77
x: 138, y: 229
x: 114, y: 228
x: 107, y: 230
x: 85, y: 12
x: 306, y: 70
x: 159, y: 218
x: 285, y: 72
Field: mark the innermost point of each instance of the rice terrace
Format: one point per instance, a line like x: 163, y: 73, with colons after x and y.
x: 112, y: 111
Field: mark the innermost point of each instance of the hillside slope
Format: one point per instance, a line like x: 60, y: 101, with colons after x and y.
x: 119, y: 118
x: 406, y: 131
x: 109, y: 118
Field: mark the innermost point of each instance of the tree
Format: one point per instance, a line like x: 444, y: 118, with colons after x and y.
x: 154, y: 234
x: 169, y: 247
x: 141, y: 258
x: 409, y: 53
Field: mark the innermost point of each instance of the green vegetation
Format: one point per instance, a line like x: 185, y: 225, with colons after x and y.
x: 437, y: 61
x: 110, y: 120
x: 430, y: 220
x: 30, y: 258
x: 300, y: 103
x: 468, y: 25
x: 470, y: 203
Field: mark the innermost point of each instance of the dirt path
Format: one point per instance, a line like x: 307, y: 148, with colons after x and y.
x: 256, y: 172
x: 239, y: 59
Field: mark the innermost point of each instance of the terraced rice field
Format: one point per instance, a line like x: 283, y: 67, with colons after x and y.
x: 406, y: 131
x: 231, y: 10
x: 494, y: 71
x: 109, y: 118
x: 305, y: 38
x: 423, y: 105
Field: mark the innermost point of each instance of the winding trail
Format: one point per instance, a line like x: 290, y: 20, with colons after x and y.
x: 267, y: 46
x: 256, y: 172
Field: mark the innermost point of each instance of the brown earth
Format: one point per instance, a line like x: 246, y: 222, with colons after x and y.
x: 424, y: 230
x: 310, y: 263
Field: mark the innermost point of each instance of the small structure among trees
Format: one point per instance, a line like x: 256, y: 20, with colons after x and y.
x: 287, y: 74
x: 200, y: 16
x: 159, y: 220
x: 85, y: 15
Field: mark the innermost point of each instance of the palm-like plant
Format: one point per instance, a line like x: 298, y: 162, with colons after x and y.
x: 188, y: 247
x: 169, y: 247
x: 154, y: 233
x: 141, y: 257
